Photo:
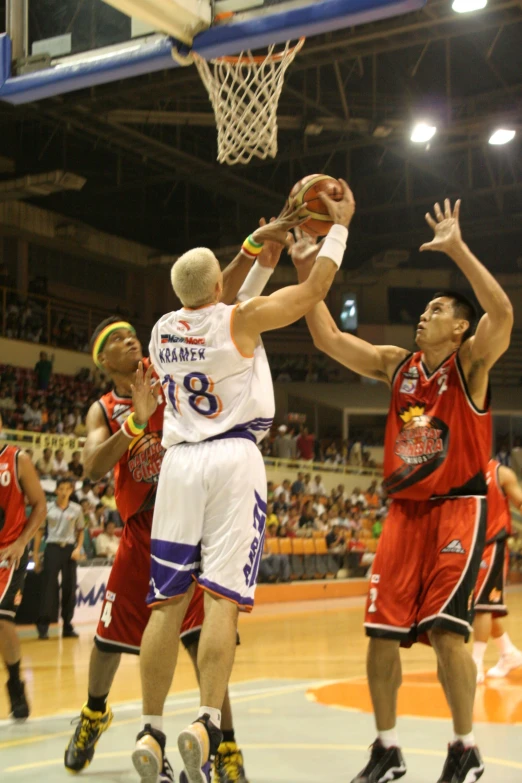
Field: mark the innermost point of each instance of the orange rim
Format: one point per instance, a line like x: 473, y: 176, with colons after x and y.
x: 260, y: 58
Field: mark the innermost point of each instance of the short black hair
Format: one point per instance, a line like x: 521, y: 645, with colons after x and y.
x: 65, y: 480
x: 112, y: 319
x: 463, y: 308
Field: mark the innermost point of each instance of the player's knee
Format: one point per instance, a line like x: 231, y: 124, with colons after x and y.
x: 446, y: 644
x: 383, y: 653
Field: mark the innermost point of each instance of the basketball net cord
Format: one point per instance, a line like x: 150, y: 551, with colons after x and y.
x: 244, y: 92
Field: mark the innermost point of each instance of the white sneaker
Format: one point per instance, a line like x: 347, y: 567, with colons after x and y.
x: 506, y: 663
x: 480, y: 675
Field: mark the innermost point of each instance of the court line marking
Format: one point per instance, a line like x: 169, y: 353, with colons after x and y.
x: 185, y: 710
x: 274, y: 746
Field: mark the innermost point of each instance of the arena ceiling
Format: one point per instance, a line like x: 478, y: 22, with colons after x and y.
x: 147, y: 146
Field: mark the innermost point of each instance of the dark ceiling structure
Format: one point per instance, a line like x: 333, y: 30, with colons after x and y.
x: 147, y: 146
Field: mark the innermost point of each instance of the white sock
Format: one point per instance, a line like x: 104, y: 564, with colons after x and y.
x: 504, y: 644
x: 215, y: 715
x: 468, y: 740
x: 389, y: 738
x: 479, y: 650
x: 156, y: 721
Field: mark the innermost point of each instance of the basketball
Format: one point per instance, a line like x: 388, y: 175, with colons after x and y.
x: 306, y: 191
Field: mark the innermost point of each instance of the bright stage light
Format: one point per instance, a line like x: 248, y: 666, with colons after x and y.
x: 502, y: 136
x: 423, y: 132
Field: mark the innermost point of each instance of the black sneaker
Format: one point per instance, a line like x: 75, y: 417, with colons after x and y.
x: 43, y: 630
x: 198, y: 746
x: 463, y: 765
x: 70, y: 633
x: 149, y: 757
x: 17, y: 698
x: 385, y: 764
x: 80, y: 750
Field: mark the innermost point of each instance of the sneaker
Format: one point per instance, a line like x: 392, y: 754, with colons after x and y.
x: 229, y: 765
x: 198, y: 746
x: 481, y: 677
x: 506, y: 663
x: 17, y: 699
x: 385, y: 764
x: 80, y: 750
x: 43, y: 631
x: 463, y: 765
x: 70, y: 633
x: 149, y: 758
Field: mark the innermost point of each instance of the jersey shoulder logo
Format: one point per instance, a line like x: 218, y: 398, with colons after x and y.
x: 454, y: 547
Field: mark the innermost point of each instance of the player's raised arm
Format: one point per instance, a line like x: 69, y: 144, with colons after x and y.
x: 492, y: 336
x: 509, y: 483
x: 373, y: 361
x: 287, y: 305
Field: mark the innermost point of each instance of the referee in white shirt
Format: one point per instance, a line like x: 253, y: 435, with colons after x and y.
x: 65, y: 525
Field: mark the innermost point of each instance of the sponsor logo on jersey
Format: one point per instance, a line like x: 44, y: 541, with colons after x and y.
x: 183, y: 326
x: 376, y: 578
x: 121, y: 412
x: 495, y: 596
x: 422, y: 438
x: 412, y: 373
x: 4, y: 465
x: 110, y: 596
x: 408, y: 386
x: 175, y: 338
x: 454, y: 548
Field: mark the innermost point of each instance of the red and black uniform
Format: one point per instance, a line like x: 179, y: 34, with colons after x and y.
x: 436, y: 453
x: 489, y: 590
x: 12, y: 523
x: 125, y: 614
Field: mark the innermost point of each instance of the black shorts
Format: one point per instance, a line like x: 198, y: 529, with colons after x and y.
x: 491, y: 582
x: 12, y: 582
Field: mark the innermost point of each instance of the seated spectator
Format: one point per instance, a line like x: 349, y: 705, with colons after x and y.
x: 371, y: 496
x: 107, y: 543
x: 89, y: 517
x: 339, y: 494
x: 7, y: 401
x: 318, y: 505
x: 101, y: 515
x: 86, y: 492
x: 108, y: 499
x: 274, y: 568
x: 322, y: 523
x: 336, y: 543
x: 331, y: 455
x: 44, y: 465
x: 75, y: 466
x: 292, y: 523
x: 33, y: 416
x: 270, y: 492
x: 271, y: 517
x: 357, y: 498
x: 43, y: 369
x: 318, y: 488
x: 377, y: 526
x: 298, y: 485
x: 308, y: 515
x: 282, y: 494
x: 60, y: 466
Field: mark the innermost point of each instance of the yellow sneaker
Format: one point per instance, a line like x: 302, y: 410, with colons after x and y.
x: 80, y: 750
x: 229, y: 765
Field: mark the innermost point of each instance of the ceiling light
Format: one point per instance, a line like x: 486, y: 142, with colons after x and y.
x: 502, y: 136
x: 466, y: 6
x: 423, y: 132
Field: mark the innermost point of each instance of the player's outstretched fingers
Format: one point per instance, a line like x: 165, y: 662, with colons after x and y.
x: 456, y: 209
x: 438, y: 212
x: 429, y: 220
x: 447, y: 208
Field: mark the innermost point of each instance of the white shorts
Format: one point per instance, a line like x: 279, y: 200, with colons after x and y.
x: 209, y: 521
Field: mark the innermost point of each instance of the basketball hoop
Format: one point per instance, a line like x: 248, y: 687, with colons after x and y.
x: 244, y: 92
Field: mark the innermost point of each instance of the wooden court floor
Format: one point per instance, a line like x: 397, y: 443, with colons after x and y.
x: 319, y: 640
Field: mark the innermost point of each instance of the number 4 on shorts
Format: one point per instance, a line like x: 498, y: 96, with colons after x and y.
x: 106, y: 617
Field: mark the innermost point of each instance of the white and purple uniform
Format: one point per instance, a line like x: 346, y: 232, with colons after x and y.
x: 211, y: 500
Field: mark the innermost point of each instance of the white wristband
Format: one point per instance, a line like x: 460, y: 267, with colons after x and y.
x: 255, y: 282
x: 335, y: 244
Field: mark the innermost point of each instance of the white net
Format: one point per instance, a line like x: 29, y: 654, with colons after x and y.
x: 244, y: 92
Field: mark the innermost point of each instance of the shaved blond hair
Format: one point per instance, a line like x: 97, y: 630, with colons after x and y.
x: 194, y: 277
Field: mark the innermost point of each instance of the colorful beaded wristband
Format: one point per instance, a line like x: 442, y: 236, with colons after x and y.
x: 130, y: 428
x: 251, y: 248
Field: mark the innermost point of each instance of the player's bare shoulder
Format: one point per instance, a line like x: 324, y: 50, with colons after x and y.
x: 391, y: 359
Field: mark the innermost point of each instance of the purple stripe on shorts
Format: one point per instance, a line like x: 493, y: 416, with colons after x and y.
x: 177, y: 554
x: 167, y: 582
x: 232, y: 434
x: 223, y: 591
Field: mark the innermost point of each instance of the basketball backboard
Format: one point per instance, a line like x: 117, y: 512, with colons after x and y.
x: 63, y: 45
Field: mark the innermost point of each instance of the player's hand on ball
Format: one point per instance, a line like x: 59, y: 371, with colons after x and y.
x: 145, y: 391
x: 445, y: 227
x: 304, y: 251
x: 341, y: 211
x: 271, y: 252
x: 278, y: 229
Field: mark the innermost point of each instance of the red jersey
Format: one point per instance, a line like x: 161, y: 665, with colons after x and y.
x: 12, y: 502
x: 499, y: 515
x: 437, y: 441
x: 137, y: 472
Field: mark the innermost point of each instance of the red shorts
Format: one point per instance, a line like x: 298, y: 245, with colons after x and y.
x: 491, y: 582
x: 125, y: 614
x: 425, y: 569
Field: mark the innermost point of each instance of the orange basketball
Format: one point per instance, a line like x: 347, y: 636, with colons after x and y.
x: 306, y: 192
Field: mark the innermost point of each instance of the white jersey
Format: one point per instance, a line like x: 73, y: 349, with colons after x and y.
x: 211, y: 389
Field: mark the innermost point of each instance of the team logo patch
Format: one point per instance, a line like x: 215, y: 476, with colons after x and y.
x: 110, y: 596
x: 408, y: 386
x: 376, y: 578
x: 454, y: 548
x: 495, y: 596
x: 145, y: 458
x: 422, y: 438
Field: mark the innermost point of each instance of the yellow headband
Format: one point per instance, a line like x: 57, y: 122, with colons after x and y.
x: 102, y: 338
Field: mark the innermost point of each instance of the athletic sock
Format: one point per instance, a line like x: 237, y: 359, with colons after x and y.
x: 14, y: 671
x: 229, y: 735
x: 389, y: 738
x: 479, y: 650
x: 468, y: 740
x: 97, y: 703
x: 156, y: 721
x: 215, y: 715
x: 504, y: 644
